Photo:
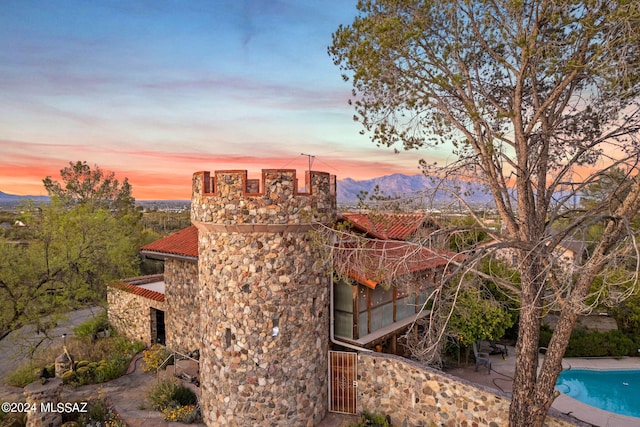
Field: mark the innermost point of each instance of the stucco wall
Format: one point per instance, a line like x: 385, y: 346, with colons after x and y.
x: 417, y: 396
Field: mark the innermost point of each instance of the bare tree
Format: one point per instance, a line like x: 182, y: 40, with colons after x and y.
x: 536, y: 99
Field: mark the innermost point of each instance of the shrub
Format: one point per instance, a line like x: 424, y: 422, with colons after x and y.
x: 110, y: 370
x: 91, y: 327
x: 182, y: 414
x: 161, y: 394
x: 154, y: 357
x: 584, y: 343
x: 8, y: 419
x: 184, y: 396
x: 99, y: 412
x: 599, y: 344
x: 25, y: 374
x: 175, y: 402
x: 369, y: 419
x: 104, y: 360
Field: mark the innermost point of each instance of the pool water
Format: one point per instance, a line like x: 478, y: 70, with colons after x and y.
x: 613, y: 391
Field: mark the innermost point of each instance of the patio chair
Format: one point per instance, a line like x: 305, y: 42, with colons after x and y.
x: 482, y: 358
x: 498, y: 349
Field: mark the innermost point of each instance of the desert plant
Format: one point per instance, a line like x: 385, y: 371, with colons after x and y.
x: 182, y: 414
x: 101, y: 361
x: 161, y: 394
x: 25, y: 374
x: 8, y: 419
x: 99, y: 412
x: 168, y: 394
x: 370, y: 419
x: 154, y: 357
x: 91, y: 327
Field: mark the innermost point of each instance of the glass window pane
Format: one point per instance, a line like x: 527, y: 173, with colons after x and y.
x: 381, y: 296
x: 363, y: 300
x: 376, y: 319
x: 343, y: 324
x: 362, y: 324
x: 343, y: 297
x: 387, y: 314
x: 405, y: 307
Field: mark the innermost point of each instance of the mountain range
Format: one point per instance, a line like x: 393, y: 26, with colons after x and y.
x: 421, y: 188
x: 5, y: 197
x: 418, y: 187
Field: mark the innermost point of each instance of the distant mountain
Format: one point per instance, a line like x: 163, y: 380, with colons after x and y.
x: 404, y: 186
x: 13, y: 198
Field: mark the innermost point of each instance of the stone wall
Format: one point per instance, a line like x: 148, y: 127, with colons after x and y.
x: 48, y: 394
x: 183, y: 307
x: 130, y: 313
x: 226, y: 201
x: 264, y: 302
x: 417, y: 396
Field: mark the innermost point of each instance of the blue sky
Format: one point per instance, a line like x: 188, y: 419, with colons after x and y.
x: 156, y: 90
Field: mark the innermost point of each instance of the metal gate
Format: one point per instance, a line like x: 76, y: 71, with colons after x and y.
x: 343, y: 382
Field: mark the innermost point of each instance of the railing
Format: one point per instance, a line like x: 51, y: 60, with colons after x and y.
x: 174, y: 355
x: 183, y: 357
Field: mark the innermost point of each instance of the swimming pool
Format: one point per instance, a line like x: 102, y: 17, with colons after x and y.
x: 613, y: 391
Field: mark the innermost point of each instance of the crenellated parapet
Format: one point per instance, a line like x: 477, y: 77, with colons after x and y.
x: 229, y: 197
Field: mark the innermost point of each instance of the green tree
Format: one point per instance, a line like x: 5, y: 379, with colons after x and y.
x: 91, y: 245
x: 536, y: 99
x: 81, y: 184
x: 478, y: 317
x: 74, y: 250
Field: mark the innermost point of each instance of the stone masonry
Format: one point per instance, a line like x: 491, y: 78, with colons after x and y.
x: 264, y: 301
x: 131, y: 313
x: 417, y: 396
x: 39, y: 394
x: 183, y: 307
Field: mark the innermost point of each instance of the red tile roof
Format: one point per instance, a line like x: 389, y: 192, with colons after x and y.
x: 373, y: 261
x: 182, y: 243
x: 386, y: 226
x: 137, y: 290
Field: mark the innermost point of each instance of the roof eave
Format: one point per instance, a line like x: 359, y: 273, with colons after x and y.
x: 165, y: 255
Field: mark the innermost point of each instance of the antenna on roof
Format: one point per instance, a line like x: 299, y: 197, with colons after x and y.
x: 311, y: 157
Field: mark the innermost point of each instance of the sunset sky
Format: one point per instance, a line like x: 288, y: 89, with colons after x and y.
x: 156, y: 90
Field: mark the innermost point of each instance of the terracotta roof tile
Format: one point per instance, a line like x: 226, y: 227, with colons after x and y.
x: 137, y: 290
x: 183, y: 243
x: 374, y: 261
x: 393, y: 226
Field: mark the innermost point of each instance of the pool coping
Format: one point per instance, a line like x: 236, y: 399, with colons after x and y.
x: 591, y: 414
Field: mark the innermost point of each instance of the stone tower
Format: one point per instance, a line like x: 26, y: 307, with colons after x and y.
x: 263, y: 299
